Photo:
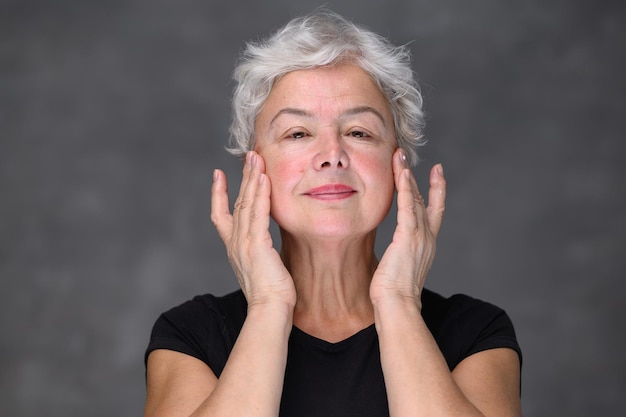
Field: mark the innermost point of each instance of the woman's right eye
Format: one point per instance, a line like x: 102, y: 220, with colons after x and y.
x: 297, y: 135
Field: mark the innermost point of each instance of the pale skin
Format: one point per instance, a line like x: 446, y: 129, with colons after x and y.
x: 326, y: 166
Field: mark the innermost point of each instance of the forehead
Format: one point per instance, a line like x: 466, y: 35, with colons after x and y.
x: 324, y: 90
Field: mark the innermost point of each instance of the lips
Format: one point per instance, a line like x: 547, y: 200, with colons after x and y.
x: 331, y: 192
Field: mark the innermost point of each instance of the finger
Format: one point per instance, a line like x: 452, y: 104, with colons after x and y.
x: 410, y: 201
x: 260, y: 206
x: 400, y: 162
x: 436, y: 199
x: 220, y: 208
x: 249, y: 183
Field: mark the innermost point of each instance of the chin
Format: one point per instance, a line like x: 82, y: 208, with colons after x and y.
x: 325, y: 230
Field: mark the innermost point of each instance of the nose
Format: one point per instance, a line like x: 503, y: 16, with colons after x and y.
x: 331, y: 152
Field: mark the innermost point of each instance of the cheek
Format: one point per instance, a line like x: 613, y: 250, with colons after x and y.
x: 379, y: 170
x: 283, y: 175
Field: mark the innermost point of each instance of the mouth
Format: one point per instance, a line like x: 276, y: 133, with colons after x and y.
x: 331, y: 192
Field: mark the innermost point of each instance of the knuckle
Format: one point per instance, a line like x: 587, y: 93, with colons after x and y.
x: 254, y: 215
x: 241, y: 204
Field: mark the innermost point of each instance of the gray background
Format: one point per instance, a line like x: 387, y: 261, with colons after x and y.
x: 114, y: 113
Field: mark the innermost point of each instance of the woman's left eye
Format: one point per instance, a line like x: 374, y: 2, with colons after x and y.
x: 358, y: 134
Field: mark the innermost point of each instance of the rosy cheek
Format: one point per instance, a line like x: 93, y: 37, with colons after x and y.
x: 380, y: 166
x: 381, y: 172
x: 282, y: 173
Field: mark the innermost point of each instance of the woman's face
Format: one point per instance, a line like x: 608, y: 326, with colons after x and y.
x: 327, y: 137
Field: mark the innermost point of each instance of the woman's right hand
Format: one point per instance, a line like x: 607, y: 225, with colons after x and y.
x: 256, y: 263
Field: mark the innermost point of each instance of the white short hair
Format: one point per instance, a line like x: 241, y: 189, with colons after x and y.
x: 319, y: 40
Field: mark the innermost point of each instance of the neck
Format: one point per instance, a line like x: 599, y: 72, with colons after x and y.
x: 332, y: 279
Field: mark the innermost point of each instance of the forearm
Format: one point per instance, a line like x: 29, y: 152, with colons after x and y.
x: 417, y: 377
x: 252, y: 380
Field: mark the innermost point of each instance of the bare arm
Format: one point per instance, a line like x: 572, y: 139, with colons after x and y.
x: 252, y: 380
x: 251, y: 383
x: 417, y: 377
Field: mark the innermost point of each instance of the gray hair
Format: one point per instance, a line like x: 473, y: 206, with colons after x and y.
x: 325, y: 39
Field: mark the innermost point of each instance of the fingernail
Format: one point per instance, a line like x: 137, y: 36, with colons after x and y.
x: 440, y: 169
x: 403, y: 157
x: 215, y: 175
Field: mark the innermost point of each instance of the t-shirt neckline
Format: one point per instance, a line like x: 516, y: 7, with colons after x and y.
x: 301, y: 337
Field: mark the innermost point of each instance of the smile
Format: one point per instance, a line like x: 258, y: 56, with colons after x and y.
x: 331, y: 192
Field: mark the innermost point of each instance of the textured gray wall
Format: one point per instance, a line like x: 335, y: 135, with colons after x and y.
x: 114, y: 113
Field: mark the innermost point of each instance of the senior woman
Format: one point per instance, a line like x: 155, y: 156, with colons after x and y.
x: 327, y: 116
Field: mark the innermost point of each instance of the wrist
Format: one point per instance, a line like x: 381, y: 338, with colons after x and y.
x: 274, y: 309
x: 394, y: 301
x: 396, y: 307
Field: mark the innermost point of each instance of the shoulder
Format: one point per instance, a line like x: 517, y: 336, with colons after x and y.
x: 439, y: 310
x: 207, y: 310
x: 463, y: 325
x: 204, y: 327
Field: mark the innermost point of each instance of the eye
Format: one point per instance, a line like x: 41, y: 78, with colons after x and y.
x: 358, y: 134
x: 298, y: 134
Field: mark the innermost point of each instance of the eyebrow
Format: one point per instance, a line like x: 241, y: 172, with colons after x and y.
x: 364, y: 109
x: 293, y: 111
x: 350, y: 112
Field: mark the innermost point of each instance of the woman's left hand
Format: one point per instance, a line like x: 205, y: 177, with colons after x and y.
x: 406, y: 262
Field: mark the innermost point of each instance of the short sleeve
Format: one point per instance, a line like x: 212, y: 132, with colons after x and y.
x: 196, y: 328
x: 463, y: 325
x: 497, y: 333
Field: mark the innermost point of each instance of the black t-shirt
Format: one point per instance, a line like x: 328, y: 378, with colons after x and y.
x: 331, y: 379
